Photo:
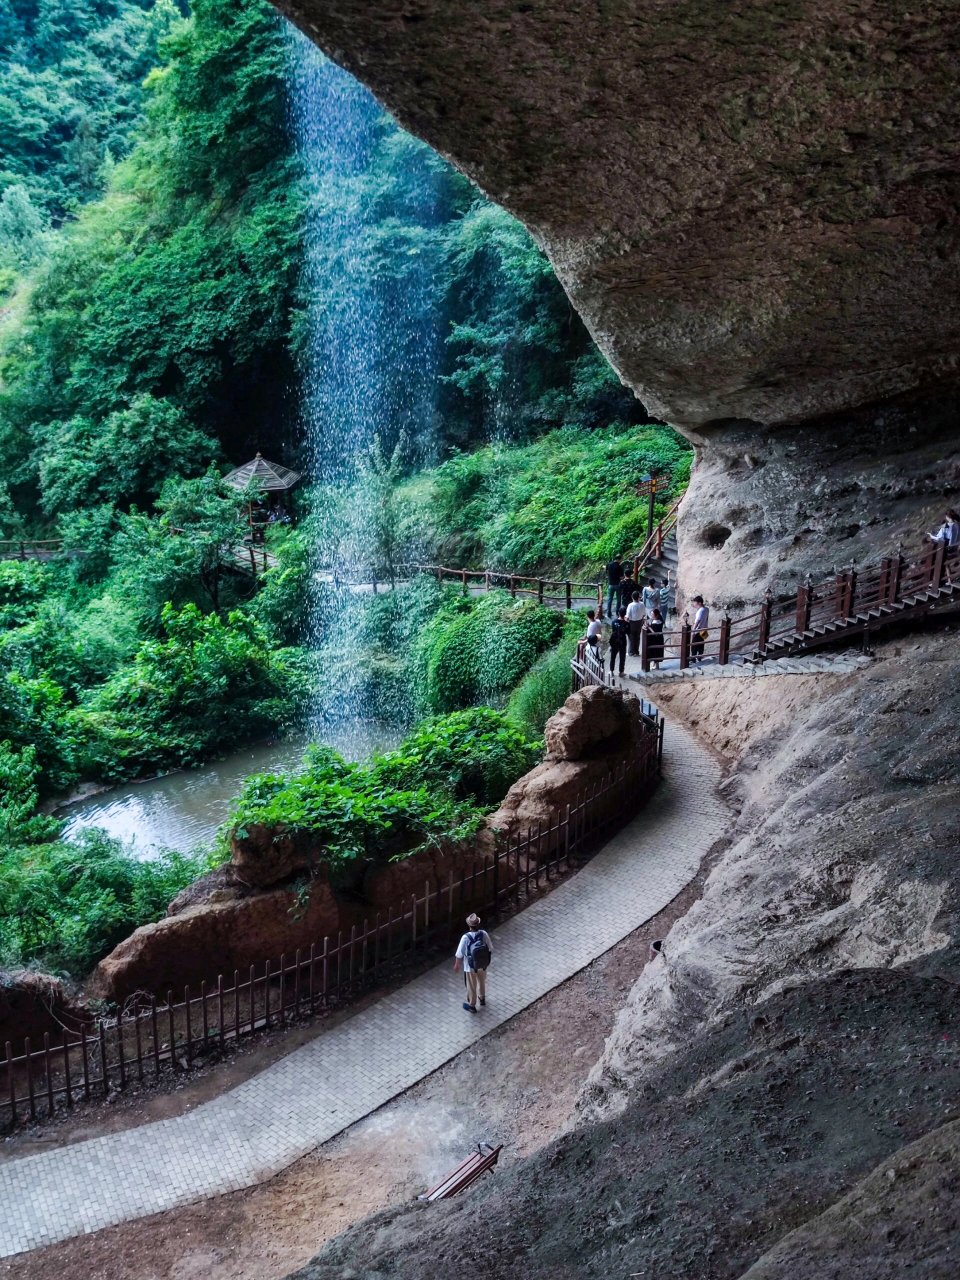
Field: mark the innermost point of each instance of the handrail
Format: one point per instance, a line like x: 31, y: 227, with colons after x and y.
x: 655, y: 538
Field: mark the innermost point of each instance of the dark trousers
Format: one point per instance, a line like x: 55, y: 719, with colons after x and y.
x: 635, y: 629
x: 618, y: 648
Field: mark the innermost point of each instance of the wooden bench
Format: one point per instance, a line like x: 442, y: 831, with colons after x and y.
x: 465, y: 1174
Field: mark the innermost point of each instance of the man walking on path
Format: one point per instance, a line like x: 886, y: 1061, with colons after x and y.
x: 614, y: 577
x: 474, y: 953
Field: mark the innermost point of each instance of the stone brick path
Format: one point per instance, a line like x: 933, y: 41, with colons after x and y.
x: 263, y: 1125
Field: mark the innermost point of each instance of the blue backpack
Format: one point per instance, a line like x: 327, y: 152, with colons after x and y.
x: 478, y: 953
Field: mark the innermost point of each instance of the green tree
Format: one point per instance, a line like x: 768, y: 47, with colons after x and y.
x: 192, y: 543
x: 128, y: 457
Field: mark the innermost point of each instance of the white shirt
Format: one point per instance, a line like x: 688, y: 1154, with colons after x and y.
x: 635, y: 611
x: 594, y: 629
x: 702, y: 620
x: 948, y: 533
x: 465, y: 942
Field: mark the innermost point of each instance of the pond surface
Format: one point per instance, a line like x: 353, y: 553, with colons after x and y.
x: 183, y: 810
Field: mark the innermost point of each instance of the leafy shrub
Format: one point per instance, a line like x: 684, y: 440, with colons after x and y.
x: 475, y: 650
x: 435, y: 785
x: 23, y: 585
x: 206, y: 685
x: 546, y: 686
x: 20, y: 823
x: 558, y: 505
x: 476, y: 755
x: 351, y: 812
x: 66, y: 906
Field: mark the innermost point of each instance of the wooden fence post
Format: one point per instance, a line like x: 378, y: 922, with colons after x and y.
x: 936, y: 577
x: 569, y: 596
x: 644, y: 647
x: 463, y: 582
x: 685, y: 643
x: 763, y: 638
x: 884, y: 590
x: 839, y: 593
x: 539, y: 591
x: 896, y: 575
x: 851, y: 593
x: 804, y: 602
x: 513, y: 585
x: 723, y: 656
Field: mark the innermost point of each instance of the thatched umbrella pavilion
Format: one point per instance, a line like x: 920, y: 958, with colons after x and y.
x: 268, y: 477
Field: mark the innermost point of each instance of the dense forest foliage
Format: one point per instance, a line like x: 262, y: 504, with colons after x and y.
x: 157, y: 309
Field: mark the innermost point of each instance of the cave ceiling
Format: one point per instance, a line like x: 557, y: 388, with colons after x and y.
x: 754, y: 206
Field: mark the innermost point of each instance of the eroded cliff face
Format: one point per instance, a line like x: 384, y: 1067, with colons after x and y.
x: 753, y: 205
x: 815, y: 497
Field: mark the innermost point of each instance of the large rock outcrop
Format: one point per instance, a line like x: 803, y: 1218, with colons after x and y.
x: 591, y: 734
x: 753, y: 206
x: 794, y: 1055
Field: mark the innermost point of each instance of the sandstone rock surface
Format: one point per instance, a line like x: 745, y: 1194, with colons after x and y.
x: 586, y: 739
x: 753, y: 206
x: 596, y: 721
x: 264, y: 856
x: 202, y: 941
x: 796, y: 1042
x: 32, y: 1003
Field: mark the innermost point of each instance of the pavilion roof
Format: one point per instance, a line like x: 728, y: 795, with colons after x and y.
x: 269, y: 476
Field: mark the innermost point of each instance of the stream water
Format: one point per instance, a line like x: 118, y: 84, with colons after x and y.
x: 183, y: 810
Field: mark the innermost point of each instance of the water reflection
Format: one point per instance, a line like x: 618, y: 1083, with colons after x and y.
x: 184, y: 810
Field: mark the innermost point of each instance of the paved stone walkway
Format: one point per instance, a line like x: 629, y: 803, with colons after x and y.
x: 263, y: 1125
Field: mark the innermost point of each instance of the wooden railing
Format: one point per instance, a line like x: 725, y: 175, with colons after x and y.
x: 849, y: 601
x: 30, y: 548
x: 154, y: 1038
x: 652, y: 549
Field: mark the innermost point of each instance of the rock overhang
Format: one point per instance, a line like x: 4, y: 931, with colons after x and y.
x: 753, y: 206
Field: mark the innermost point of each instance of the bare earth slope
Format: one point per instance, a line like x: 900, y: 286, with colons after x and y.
x: 804, y: 1027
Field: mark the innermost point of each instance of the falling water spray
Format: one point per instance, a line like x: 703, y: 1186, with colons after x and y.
x: 369, y: 352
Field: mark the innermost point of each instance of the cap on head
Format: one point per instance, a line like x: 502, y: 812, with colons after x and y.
x: 473, y: 920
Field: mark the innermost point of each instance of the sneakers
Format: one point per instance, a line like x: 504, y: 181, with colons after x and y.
x: 482, y: 1001
x: 469, y: 1007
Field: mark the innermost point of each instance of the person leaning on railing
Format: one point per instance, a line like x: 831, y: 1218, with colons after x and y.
x: 949, y: 531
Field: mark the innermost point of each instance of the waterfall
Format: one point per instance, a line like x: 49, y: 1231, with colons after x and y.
x: 368, y: 353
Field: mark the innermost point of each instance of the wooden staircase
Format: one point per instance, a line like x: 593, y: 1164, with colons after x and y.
x: 851, y: 605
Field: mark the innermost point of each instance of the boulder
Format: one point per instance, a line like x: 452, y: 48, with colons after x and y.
x: 202, y: 941
x: 543, y: 793
x: 386, y: 885
x: 589, y: 736
x: 594, y: 722
x: 265, y: 856
x: 32, y: 1003
x: 220, y: 885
